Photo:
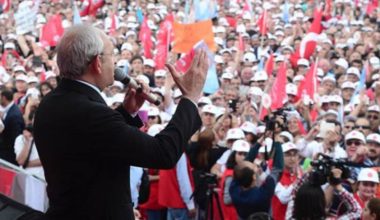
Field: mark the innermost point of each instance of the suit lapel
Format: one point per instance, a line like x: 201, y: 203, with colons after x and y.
x: 72, y: 85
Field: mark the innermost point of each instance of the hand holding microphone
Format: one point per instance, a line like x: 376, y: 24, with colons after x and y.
x: 121, y: 76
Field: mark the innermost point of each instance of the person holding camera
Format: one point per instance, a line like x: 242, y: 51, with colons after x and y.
x: 248, y: 194
x: 319, y: 199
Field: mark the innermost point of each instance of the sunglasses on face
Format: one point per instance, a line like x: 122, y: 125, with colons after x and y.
x: 152, y: 117
x: 362, y: 127
x: 374, y: 117
x: 356, y: 143
x: 241, y: 153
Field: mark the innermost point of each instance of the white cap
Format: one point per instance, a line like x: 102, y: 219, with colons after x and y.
x: 248, y: 127
x: 353, y: 70
x: 19, y: 68
x: 227, y: 75
x: 9, y: 45
x: 235, y: 133
x: 205, y: 100
x: 329, y: 78
x: 122, y: 63
x: 130, y: 33
x: 373, y: 138
x: 368, y: 175
x: 260, y: 76
x: 279, y: 58
x: 50, y: 74
x: 153, y: 111
x: 249, y: 57
x: 143, y: 78
x: 355, y: 135
x: 335, y: 98
x: 255, y: 91
x: 209, y: 109
x: 160, y: 73
x: 288, y: 135
x: 149, y: 62
x: 342, y: 63
x: 374, y: 108
x: 331, y: 112
x: 241, y: 146
x: 260, y: 129
x: 375, y: 62
x: 155, y: 129
x: 303, y: 62
x: 22, y: 77
x: 32, y: 79
x: 127, y: 46
x: 288, y: 146
x: 348, y: 85
x: 291, y: 89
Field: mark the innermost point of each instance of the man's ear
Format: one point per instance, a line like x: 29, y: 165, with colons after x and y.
x: 95, y: 65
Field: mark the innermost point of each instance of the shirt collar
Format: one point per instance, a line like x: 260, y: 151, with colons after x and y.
x: 90, y: 85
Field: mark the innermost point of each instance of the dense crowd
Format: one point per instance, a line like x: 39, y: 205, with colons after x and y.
x: 315, y: 154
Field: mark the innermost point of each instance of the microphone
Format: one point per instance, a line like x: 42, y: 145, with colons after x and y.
x: 121, y: 76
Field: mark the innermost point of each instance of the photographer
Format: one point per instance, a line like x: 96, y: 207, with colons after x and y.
x: 248, y: 195
x: 318, y: 200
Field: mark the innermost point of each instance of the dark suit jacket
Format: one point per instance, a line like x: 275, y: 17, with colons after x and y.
x: 13, y: 127
x: 86, y: 149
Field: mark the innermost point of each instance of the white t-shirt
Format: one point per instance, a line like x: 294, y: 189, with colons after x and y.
x: 19, y: 145
x: 223, y: 160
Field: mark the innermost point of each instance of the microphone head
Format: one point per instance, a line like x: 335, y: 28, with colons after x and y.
x: 119, y: 74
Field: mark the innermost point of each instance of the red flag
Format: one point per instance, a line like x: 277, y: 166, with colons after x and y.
x: 301, y: 127
x: 269, y: 65
x: 316, y: 26
x: 145, y: 36
x: 6, y: 5
x: 52, y: 31
x: 13, y: 53
x: 113, y: 24
x: 183, y: 64
x: 241, y: 43
x: 164, y: 38
x: 6, y: 177
x: 328, y: 8
x: 308, y: 86
x: 371, y: 6
x: 278, y: 92
x: 262, y: 23
x: 91, y: 7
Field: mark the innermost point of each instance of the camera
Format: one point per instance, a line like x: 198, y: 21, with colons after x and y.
x: 271, y: 121
x: 232, y: 104
x: 322, y: 170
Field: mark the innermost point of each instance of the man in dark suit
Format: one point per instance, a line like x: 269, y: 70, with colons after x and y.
x: 13, y: 126
x: 86, y: 148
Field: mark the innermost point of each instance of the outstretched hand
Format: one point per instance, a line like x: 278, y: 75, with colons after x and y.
x: 191, y: 83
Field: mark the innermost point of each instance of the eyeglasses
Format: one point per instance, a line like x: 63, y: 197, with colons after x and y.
x: 374, y: 117
x: 356, y: 143
x: 362, y: 127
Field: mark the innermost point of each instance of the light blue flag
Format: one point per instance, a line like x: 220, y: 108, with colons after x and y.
x: 285, y: 13
x: 76, y: 15
x: 140, y: 16
x: 205, y: 9
x: 361, y: 84
x: 261, y: 64
x: 211, y: 83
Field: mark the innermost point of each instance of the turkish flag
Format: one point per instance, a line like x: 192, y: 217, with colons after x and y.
x: 262, y: 23
x: 278, y: 91
x: 52, y: 31
x: 308, y: 86
x: 269, y: 65
x: 145, y: 36
x: 164, y: 38
x: 6, y: 5
x: 241, y: 43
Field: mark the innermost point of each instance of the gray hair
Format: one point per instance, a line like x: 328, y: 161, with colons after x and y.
x: 78, y: 46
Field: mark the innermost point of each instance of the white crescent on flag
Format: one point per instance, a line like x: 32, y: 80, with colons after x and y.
x: 311, y: 36
x: 266, y: 101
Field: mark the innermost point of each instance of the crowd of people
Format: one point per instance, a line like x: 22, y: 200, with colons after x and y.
x: 313, y: 158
